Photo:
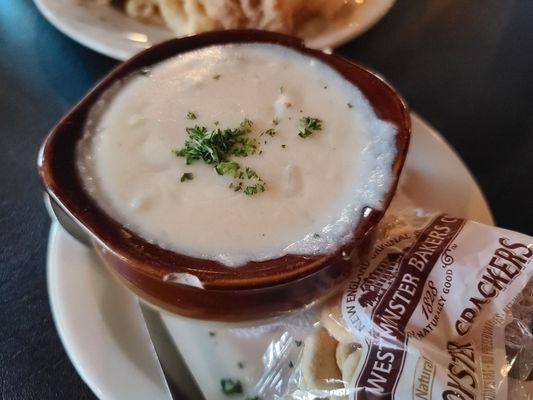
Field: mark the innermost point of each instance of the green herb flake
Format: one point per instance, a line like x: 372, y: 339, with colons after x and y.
x: 298, y: 343
x: 316, y: 235
x: 270, y: 132
x: 212, y: 334
x: 214, y: 147
x: 237, y: 187
x: 231, y: 386
x: 250, y: 173
x: 259, y: 187
x: 275, y: 121
x: 291, y: 365
x: 254, y: 184
x: 191, y: 115
x: 240, y: 364
x: 187, y: 176
x: 216, y: 77
x: 350, y: 105
x: 247, y: 125
x: 245, y: 146
x: 281, y: 89
x: 309, y: 125
x: 228, y: 168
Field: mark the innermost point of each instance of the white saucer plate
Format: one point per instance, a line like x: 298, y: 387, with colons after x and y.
x: 101, y: 326
x: 111, y: 32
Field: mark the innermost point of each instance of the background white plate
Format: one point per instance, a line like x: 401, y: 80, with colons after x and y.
x: 111, y: 32
x: 102, y: 329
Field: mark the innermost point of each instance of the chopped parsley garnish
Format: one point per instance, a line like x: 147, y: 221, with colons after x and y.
x: 247, y: 125
x: 236, y: 186
x: 228, y: 168
x: 231, y: 386
x: 240, y: 364
x: 258, y: 187
x: 212, y: 334
x: 251, y: 190
x: 298, y: 343
x: 281, y: 89
x: 275, y: 121
x: 245, y: 146
x: 309, y: 125
x: 187, y: 176
x: 350, y: 105
x: 291, y: 365
x: 270, y: 132
x: 316, y: 235
x: 216, y: 77
x: 191, y: 115
x: 215, y: 146
x: 248, y: 181
x: 250, y: 173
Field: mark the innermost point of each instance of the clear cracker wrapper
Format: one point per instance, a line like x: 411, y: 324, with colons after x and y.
x: 440, y: 308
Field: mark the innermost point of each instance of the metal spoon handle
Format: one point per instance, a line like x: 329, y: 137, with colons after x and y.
x: 178, y: 377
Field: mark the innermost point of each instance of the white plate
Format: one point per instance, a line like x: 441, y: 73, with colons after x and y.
x: 101, y: 326
x: 111, y: 32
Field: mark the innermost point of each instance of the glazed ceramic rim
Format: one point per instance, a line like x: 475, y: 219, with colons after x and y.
x: 57, y: 168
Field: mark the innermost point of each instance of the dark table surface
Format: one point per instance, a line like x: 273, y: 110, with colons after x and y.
x: 466, y: 66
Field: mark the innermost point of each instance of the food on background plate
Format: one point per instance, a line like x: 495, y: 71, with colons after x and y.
x: 187, y: 17
x: 238, y: 153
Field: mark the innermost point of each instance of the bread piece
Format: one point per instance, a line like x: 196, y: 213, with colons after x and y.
x: 319, y: 366
x: 323, y: 8
x: 279, y: 15
x: 228, y: 13
x: 186, y: 17
x: 276, y: 15
x: 343, y: 351
x: 143, y: 10
x: 349, y: 366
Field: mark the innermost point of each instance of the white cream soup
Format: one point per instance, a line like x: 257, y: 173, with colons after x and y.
x: 309, y: 191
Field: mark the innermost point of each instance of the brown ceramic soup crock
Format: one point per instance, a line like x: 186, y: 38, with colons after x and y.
x: 254, y: 291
